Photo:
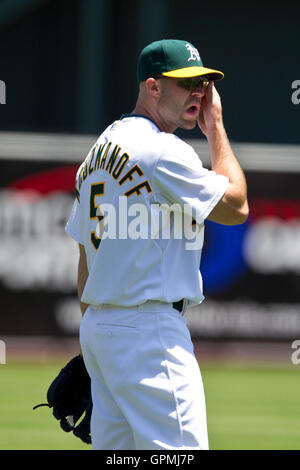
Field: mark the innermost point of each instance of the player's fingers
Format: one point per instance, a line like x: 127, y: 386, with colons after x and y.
x: 201, y: 121
x: 209, y: 88
x: 210, y: 93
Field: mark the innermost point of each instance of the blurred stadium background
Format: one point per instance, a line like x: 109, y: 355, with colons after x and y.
x: 67, y: 69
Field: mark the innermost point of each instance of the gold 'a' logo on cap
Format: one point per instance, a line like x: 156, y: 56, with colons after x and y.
x: 194, y: 53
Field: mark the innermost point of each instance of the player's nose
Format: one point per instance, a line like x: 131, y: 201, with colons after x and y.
x: 199, y: 92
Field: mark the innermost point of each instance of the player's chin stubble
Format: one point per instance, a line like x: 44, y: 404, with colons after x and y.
x: 189, y: 124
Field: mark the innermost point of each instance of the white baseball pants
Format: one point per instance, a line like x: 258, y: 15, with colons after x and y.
x: 147, y: 388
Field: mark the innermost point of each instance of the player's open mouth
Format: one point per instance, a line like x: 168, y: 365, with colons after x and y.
x: 192, y: 110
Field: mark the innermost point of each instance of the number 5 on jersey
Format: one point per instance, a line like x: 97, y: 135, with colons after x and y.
x: 97, y: 189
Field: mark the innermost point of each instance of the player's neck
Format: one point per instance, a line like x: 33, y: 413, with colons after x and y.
x: 140, y: 108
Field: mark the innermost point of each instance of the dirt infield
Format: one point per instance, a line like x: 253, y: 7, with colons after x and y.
x: 39, y: 348
x: 45, y: 348
x: 244, y: 352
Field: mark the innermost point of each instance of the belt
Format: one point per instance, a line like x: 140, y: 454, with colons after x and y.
x: 178, y: 305
x: 147, y: 306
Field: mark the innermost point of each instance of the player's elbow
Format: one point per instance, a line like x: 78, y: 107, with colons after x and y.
x: 236, y: 208
x: 235, y: 204
x: 227, y: 214
x: 240, y: 215
x: 245, y: 212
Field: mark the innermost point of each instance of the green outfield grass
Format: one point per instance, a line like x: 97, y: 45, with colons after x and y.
x: 247, y: 407
x: 253, y: 408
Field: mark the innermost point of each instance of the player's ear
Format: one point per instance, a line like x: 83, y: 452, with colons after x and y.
x: 153, y: 87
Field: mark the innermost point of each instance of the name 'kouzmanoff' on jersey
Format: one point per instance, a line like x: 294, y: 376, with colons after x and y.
x: 135, y: 221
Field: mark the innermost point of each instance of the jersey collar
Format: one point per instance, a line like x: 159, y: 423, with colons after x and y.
x: 139, y: 115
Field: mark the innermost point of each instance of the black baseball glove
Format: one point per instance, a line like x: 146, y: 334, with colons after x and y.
x: 70, y: 397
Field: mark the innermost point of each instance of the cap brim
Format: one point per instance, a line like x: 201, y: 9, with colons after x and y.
x: 189, y: 72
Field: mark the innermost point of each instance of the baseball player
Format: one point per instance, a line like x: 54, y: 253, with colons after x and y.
x: 136, y: 278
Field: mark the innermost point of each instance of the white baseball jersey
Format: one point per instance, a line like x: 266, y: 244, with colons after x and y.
x: 133, y: 189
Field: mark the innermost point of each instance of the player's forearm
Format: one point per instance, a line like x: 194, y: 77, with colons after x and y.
x: 224, y: 162
x: 80, y: 286
x: 83, y: 307
x: 82, y: 277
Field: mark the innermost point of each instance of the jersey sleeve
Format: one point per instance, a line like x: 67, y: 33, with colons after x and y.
x: 179, y: 177
x: 73, y: 224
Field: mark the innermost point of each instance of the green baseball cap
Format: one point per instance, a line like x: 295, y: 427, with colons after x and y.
x: 173, y: 58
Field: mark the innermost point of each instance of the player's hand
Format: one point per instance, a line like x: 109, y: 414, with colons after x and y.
x: 70, y: 397
x: 211, y: 110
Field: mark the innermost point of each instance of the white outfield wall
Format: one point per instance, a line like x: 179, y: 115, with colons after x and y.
x: 74, y: 148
